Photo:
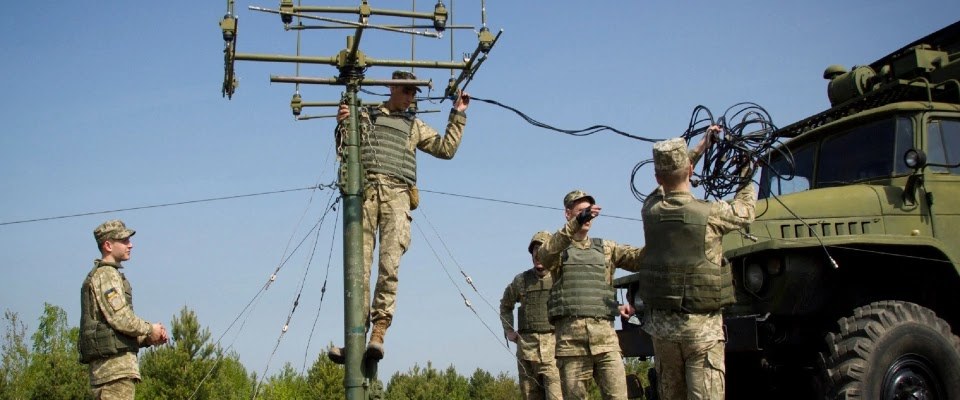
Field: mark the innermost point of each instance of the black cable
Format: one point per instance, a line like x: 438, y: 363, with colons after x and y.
x: 574, y: 132
x: 747, y: 135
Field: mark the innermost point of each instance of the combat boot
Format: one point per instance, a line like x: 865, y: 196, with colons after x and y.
x: 337, y: 355
x: 375, y: 347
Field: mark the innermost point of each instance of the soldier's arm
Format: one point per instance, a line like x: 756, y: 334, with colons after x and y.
x: 510, y: 297
x: 107, y: 288
x: 738, y: 213
x: 430, y: 142
x: 549, y: 252
x: 705, y: 142
x: 623, y: 256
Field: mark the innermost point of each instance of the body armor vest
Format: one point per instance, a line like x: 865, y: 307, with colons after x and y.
x: 98, y: 339
x: 581, y: 289
x: 532, y: 314
x: 385, y: 149
x: 675, y: 273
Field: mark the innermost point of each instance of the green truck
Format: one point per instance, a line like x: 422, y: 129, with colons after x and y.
x: 848, y: 282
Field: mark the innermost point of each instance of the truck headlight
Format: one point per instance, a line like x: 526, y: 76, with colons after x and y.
x: 753, y: 278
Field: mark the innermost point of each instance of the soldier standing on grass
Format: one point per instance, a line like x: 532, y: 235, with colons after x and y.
x: 110, y: 333
x: 534, y: 336
x: 683, y: 279
x: 583, y: 304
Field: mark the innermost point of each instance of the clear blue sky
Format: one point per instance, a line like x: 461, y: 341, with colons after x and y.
x: 109, y: 106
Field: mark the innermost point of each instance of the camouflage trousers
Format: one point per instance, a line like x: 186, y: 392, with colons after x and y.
x: 120, y: 389
x: 386, y: 211
x: 605, y: 368
x: 689, y: 370
x: 539, y: 380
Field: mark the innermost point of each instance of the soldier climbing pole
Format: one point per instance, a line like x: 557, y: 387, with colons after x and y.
x: 360, y: 381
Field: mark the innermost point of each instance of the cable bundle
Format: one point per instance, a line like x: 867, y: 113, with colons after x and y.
x: 747, y: 133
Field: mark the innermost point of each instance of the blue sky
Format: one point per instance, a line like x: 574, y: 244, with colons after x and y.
x: 111, y: 106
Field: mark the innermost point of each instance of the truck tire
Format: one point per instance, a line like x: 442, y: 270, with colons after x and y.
x: 892, y: 350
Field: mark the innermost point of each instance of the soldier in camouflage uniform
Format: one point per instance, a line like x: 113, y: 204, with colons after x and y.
x: 110, y: 333
x: 582, y: 304
x: 389, y: 137
x: 539, y: 378
x: 683, y: 279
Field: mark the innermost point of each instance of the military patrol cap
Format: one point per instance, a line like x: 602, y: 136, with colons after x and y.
x: 539, y: 237
x: 400, y: 74
x: 670, y: 155
x: 113, y: 229
x: 575, y: 195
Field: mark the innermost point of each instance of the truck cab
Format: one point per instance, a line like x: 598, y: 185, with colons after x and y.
x: 848, y: 282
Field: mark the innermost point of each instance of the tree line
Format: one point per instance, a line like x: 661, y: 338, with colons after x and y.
x: 191, y: 366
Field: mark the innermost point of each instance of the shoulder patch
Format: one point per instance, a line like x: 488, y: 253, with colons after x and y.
x: 115, y: 299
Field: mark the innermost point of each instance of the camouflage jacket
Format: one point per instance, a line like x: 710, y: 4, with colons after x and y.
x: 105, y: 283
x: 532, y: 346
x: 586, y: 336
x: 724, y: 217
x: 422, y: 137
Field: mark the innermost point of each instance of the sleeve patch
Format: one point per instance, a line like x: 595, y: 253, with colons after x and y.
x: 115, y: 299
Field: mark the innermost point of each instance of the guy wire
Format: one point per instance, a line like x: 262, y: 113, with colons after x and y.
x: 323, y: 292
x: 466, y: 301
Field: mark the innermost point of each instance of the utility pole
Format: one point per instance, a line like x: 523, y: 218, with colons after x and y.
x: 360, y: 378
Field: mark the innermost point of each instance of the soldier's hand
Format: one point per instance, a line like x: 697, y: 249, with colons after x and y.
x: 165, y: 337
x: 343, y: 112
x: 513, y: 336
x: 588, y: 214
x: 462, y: 102
x: 626, y: 310
x: 713, y: 132
x: 156, y: 334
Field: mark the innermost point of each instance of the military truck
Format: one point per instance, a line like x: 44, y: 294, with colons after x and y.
x: 848, y: 282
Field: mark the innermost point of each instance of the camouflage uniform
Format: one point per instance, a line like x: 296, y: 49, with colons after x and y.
x: 535, y: 350
x: 689, y: 347
x: 386, y: 208
x: 114, y: 377
x: 588, y: 348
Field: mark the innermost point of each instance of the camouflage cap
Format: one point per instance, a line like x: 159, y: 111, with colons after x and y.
x: 539, y: 237
x: 113, y: 229
x: 575, y: 195
x: 400, y: 74
x: 670, y: 155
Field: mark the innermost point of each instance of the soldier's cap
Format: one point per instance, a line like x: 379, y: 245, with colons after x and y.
x: 575, y: 195
x: 400, y: 74
x: 113, y: 229
x: 670, y: 155
x: 539, y: 237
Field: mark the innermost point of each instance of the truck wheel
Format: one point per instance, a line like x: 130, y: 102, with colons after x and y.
x: 892, y: 350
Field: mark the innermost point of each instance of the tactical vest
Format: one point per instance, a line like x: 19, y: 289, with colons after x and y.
x: 581, y: 288
x: 532, y: 314
x: 675, y: 273
x: 386, y: 147
x: 97, y: 339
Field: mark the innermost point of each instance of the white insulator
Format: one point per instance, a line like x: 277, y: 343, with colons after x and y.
x: 285, y: 328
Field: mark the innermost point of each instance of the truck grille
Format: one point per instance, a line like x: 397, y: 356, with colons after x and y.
x: 839, y: 228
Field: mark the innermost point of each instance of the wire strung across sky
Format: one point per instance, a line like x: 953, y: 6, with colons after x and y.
x: 179, y: 203
x: 314, y: 187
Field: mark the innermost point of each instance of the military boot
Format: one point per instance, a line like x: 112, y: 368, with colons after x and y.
x: 337, y: 355
x: 375, y: 347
